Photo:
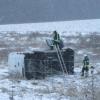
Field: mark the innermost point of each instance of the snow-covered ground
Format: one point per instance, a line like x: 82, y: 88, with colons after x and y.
x: 57, y: 87
x: 84, y: 26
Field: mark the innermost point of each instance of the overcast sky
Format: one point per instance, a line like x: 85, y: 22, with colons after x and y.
x: 30, y: 11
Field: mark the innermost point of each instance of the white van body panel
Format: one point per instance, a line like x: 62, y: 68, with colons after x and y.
x: 16, y: 63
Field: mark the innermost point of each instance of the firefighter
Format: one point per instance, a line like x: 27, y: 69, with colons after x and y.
x: 85, y: 68
x: 57, y: 40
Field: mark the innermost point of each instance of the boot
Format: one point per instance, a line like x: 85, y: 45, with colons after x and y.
x: 82, y: 74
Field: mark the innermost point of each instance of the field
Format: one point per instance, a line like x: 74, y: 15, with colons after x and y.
x: 83, y: 37
x: 57, y: 87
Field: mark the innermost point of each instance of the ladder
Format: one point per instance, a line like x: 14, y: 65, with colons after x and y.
x: 61, y: 60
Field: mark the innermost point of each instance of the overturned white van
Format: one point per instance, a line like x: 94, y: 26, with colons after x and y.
x: 38, y: 64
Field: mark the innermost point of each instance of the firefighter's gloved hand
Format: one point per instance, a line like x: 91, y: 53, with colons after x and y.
x: 92, y: 67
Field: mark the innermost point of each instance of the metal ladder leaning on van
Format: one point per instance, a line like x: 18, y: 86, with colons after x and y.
x: 61, y: 60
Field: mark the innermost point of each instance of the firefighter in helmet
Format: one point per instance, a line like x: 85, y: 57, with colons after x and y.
x: 85, y: 68
x: 57, y: 40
